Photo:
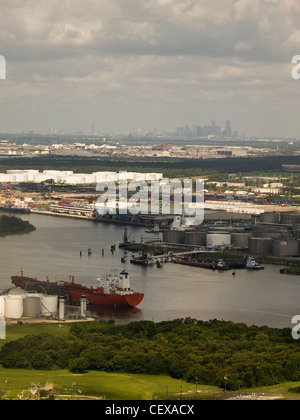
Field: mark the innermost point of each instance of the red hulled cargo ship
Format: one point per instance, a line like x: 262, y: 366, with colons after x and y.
x: 113, y: 290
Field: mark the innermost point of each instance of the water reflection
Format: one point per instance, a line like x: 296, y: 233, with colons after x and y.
x: 53, y: 250
x: 120, y: 315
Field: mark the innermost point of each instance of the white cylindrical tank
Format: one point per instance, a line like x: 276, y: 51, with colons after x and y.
x: 14, y: 306
x: 218, y: 239
x: 7, y: 178
x: 22, y: 177
x: 2, y: 306
x: 43, y: 177
x: 89, y: 179
x: 49, y: 305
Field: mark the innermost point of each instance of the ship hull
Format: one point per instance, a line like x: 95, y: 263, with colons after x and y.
x: 195, y: 264
x: 75, y: 292
x: 207, y: 265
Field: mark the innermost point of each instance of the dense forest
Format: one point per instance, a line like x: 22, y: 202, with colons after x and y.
x: 184, y: 349
x: 14, y: 226
x: 169, y: 166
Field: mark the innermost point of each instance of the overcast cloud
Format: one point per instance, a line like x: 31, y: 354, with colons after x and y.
x: 129, y: 64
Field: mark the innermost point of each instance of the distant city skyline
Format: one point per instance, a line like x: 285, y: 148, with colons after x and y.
x: 197, y: 130
x: 126, y: 65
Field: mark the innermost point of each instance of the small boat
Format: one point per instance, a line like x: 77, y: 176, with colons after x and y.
x: 221, y: 265
x: 155, y: 229
x: 253, y: 265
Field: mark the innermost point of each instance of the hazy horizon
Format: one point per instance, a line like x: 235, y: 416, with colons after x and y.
x: 125, y: 65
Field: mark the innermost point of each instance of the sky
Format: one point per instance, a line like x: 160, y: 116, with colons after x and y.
x: 125, y: 65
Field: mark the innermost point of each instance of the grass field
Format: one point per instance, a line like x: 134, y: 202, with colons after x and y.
x: 16, y: 384
x: 109, y: 386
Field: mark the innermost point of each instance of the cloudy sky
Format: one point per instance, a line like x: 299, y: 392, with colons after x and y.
x: 129, y: 64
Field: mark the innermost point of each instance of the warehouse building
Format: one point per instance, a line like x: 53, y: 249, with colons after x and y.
x: 68, y: 177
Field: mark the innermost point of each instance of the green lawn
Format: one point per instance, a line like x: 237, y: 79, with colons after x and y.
x: 15, y: 384
x: 108, y: 386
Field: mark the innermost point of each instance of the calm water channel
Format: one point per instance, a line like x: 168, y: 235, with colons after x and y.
x: 260, y: 298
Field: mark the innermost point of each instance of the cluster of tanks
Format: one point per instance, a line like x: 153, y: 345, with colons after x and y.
x: 276, y: 234
x: 17, y: 304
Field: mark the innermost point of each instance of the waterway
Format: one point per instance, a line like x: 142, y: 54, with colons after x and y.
x: 174, y: 291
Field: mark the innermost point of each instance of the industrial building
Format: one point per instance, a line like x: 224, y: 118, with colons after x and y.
x: 68, y: 177
x: 274, y: 234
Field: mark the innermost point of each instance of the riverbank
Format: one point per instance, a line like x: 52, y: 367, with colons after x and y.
x: 123, y: 221
x: 292, y: 271
x: 159, y: 249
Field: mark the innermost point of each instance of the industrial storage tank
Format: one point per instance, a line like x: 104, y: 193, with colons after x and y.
x: 218, y: 239
x: 270, y: 217
x: 195, y: 238
x: 32, y: 305
x: 290, y: 218
x: 285, y: 247
x: 7, y: 178
x: 14, y: 306
x: 240, y: 240
x: 17, y: 291
x: 2, y: 306
x: 269, y: 231
x: 22, y: 177
x: 43, y: 177
x: 260, y: 246
x: 173, y: 236
x: 49, y: 305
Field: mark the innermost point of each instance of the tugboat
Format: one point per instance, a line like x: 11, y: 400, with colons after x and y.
x: 156, y: 229
x: 221, y: 265
x: 253, y: 265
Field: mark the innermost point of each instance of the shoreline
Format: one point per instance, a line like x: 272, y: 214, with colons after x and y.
x: 285, y: 261
x: 89, y: 219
